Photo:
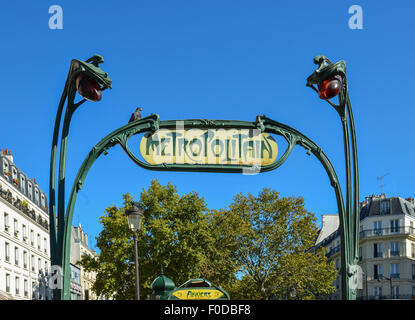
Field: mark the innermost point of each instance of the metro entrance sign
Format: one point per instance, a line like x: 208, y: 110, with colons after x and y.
x: 209, y: 146
x: 205, y: 145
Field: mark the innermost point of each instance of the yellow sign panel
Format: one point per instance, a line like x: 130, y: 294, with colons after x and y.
x: 197, y: 294
x: 209, y: 146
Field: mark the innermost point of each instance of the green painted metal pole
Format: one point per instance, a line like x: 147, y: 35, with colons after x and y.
x: 350, y: 226
x: 53, y: 235
x: 348, y: 238
x: 91, y: 69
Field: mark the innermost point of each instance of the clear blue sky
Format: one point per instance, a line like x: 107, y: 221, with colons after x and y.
x: 218, y: 60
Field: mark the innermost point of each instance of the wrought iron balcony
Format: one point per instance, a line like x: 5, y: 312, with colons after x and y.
x: 394, y: 253
x: 387, y: 232
x: 387, y: 297
x: 22, y: 206
x: 333, y: 251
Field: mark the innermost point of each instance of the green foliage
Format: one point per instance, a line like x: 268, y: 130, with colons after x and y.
x: 267, y: 238
x: 174, y: 235
x: 256, y: 249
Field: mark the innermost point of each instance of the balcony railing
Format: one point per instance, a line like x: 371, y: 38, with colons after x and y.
x: 333, y: 251
x: 387, y: 231
x: 387, y: 297
x: 394, y: 253
x: 378, y: 254
x: 22, y: 206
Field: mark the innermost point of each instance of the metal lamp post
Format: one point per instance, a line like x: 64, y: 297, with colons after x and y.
x: 86, y: 78
x: 331, y: 81
x: 390, y: 283
x: 134, y: 217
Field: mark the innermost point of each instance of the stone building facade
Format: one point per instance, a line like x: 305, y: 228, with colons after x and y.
x: 386, y: 247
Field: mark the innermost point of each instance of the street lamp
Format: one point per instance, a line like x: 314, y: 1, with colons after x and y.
x: 88, y: 88
x: 134, y: 216
x: 390, y: 283
x: 87, y: 79
x: 331, y: 81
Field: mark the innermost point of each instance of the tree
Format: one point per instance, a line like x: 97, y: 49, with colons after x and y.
x: 175, y: 235
x: 268, y: 239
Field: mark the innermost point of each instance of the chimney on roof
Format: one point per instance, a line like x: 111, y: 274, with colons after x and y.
x: 411, y: 201
x: 8, y: 154
x: 363, y: 203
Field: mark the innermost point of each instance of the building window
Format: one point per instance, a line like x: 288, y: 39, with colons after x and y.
x: 394, y: 271
x: 7, y: 283
x: 36, y: 196
x: 32, y: 238
x: 45, y: 245
x: 25, y: 259
x: 17, y: 285
x: 377, y: 271
x: 33, y: 262
x: 395, y: 292
x: 16, y: 227
x: 42, y: 201
x: 5, y: 166
x: 377, y: 250
x: 39, y: 264
x: 385, y: 207
x: 29, y: 190
x: 377, y: 292
x: 394, y: 249
x: 16, y: 256
x: 26, y: 288
x: 377, y: 227
x: 22, y: 183
x: 7, y: 251
x: 394, y: 226
x: 24, y: 233
x: 6, y: 222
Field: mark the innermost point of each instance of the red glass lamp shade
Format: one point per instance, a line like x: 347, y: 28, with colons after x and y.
x: 88, y: 88
x: 330, y: 87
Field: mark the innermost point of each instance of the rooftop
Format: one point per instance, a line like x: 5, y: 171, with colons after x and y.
x: 21, y: 182
x: 373, y: 205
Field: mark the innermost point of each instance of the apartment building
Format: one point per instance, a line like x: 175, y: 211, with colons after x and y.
x: 386, y: 247
x: 79, y: 248
x: 24, y: 233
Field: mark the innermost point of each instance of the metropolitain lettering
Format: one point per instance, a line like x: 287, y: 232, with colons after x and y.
x: 209, y: 146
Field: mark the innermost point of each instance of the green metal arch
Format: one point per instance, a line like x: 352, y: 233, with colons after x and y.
x: 152, y: 123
